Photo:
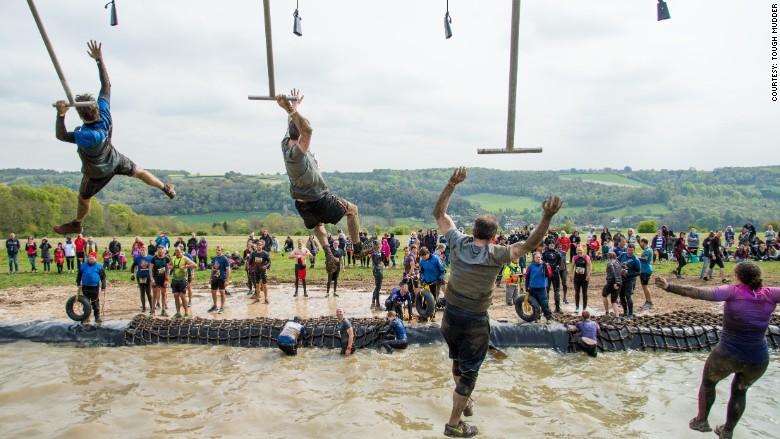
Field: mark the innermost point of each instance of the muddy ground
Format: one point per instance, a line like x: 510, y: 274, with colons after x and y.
x: 122, y: 301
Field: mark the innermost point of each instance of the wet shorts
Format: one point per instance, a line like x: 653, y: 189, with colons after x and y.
x: 329, y: 209
x: 260, y: 277
x: 159, y: 281
x: 217, y: 284
x: 610, y: 291
x: 91, y: 186
x: 644, y: 278
x: 468, y: 336
x: 179, y: 286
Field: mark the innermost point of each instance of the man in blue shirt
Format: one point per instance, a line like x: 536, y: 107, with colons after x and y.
x: 395, y: 336
x: 220, y: 277
x: 99, y: 160
x: 90, y: 279
x: 163, y: 240
x: 432, y: 272
x: 399, y: 295
x: 631, y: 270
x: 536, y: 282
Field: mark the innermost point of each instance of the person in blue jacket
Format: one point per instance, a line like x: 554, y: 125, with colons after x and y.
x: 100, y: 161
x: 537, y: 278
x: 399, y: 296
x: 631, y: 270
x: 90, y: 279
x: 395, y: 336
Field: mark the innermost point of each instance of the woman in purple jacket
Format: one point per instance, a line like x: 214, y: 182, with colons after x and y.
x: 742, y: 349
x: 203, y: 251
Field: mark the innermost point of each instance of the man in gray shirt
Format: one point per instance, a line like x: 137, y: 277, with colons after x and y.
x: 314, y: 203
x: 346, y: 333
x: 475, y: 262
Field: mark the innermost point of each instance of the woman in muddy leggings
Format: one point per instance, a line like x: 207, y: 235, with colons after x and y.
x: 742, y: 349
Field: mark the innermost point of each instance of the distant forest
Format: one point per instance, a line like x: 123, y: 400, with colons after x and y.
x: 707, y: 199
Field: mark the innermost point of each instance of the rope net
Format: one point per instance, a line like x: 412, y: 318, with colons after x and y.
x: 257, y: 332
x: 678, y: 331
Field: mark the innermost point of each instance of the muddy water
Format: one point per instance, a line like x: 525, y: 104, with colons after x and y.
x: 200, y: 391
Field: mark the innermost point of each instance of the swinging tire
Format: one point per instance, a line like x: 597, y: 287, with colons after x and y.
x: 425, y: 304
x: 529, y: 315
x: 85, y: 307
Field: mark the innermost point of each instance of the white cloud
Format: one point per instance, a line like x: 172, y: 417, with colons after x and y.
x: 600, y: 84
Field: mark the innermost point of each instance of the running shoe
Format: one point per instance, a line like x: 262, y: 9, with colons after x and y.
x: 151, y: 312
x: 189, y: 303
x: 221, y: 311
x: 469, y: 410
x: 461, y: 430
x: 335, y: 295
x: 186, y: 316
x: 267, y: 302
x: 697, y: 425
x: 72, y: 227
x: 170, y: 190
x: 722, y: 433
x: 176, y: 316
x: 305, y: 294
x: 212, y: 309
x: 647, y: 305
x: 163, y: 314
x: 363, y: 249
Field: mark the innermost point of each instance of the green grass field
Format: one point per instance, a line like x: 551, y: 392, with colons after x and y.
x: 211, y: 218
x: 613, y: 179
x: 495, y: 202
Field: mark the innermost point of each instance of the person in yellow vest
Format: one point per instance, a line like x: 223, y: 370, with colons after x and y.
x: 512, y: 276
x: 91, y: 246
x: 180, y: 266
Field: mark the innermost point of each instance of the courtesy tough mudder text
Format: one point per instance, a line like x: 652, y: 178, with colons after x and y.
x: 774, y: 52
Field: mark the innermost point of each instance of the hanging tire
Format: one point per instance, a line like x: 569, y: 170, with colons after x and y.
x: 531, y: 315
x: 86, y: 308
x: 425, y: 304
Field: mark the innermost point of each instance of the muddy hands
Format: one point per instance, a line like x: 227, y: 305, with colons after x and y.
x: 552, y: 205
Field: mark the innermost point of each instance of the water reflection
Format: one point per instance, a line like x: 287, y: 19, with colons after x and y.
x: 213, y: 391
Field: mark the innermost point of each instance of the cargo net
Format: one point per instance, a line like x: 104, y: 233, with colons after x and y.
x: 679, y: 331
x: 258, y: 332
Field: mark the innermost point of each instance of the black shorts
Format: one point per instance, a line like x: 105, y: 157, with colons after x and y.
x: 714, y: 262
x: 644, y: 278
x: 329, y: 209
x: 91, y: 186
x: 80, y: 255
x: 159, y: 281
x: 217, y: 284
x: 260, y: 277
x: 609, y: 290
x: 179, y: 286
x: 468, y: 336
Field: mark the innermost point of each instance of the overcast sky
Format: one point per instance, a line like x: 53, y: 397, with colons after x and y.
x: 601, y: 83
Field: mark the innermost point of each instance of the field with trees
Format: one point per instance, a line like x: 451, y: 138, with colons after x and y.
x: 34, y: 200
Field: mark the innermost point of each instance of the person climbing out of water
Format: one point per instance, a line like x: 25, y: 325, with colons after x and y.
x: 288, y: 337
x: 742, y: 347
x: 400, y: 295
x: 316, y: 205
x: 346, y: 333
x: 394, y: 337
x: 588, y: 341
x: 90, y: 279
x: 475, y: 262
x: 100, y: 161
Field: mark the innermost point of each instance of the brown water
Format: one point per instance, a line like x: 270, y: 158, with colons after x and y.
x: 211, y: 391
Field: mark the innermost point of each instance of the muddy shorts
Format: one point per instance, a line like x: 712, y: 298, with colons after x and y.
x: 610, y: 291
x: 159, y: 281
x: 217, y: 284
x: 179, y: 286
x: 329, y: 209
x: 260, y: 277
x: 468, y: 336
x: 91, y: 186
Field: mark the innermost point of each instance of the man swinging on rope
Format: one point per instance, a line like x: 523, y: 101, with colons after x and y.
x: 312, y: 199
x: 100, y: 160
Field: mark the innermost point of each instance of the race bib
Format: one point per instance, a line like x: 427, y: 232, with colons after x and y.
x: 579, y: 270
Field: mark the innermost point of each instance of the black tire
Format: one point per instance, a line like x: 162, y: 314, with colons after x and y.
x: 85, y: 306
x: 536, y: 309
x: 425, y: 304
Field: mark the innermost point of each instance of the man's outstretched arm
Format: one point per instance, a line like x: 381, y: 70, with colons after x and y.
x: 551, y: 206
x: 59, y: 126
x: 95, y: 52
x: 303, y: 125
x: 440, y: 210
